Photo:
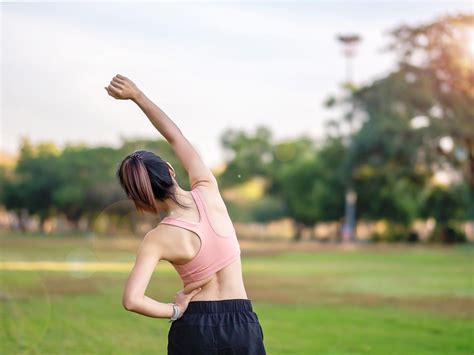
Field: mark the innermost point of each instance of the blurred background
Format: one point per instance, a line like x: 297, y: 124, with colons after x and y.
x: 341, y: 135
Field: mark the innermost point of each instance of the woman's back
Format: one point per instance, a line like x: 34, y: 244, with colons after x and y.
x: 203, y: 247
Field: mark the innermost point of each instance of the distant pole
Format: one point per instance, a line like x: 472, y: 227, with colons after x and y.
x: 349, y: 43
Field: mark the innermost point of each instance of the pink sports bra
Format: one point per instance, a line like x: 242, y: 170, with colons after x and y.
x: 216, y: 251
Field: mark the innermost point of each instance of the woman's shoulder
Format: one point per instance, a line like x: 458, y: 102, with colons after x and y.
x: 210, y: 194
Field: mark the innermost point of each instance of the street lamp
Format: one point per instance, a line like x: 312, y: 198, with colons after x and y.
x: 349, y: 43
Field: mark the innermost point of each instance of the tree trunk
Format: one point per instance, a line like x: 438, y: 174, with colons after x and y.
x: 312, y: 235
x: 299, y: 232
x: 470, y: 150
x: 75, y: 224
x: 22, y: 215
x: 42, y: 224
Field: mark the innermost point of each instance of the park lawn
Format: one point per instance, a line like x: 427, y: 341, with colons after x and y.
x: 411, y: 301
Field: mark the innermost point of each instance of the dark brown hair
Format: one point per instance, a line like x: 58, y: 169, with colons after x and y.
x: 144, y: 176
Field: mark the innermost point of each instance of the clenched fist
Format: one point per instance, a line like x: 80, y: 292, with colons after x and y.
x: 122, y: 88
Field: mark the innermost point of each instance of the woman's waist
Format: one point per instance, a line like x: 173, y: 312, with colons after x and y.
x: 228, y: 279
x: 219, y: 306
x: 215, y: 291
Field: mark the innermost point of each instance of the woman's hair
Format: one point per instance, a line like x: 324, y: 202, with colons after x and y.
x: 145, y: 177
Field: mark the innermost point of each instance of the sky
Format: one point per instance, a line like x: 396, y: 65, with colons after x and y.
x: 209, y: 65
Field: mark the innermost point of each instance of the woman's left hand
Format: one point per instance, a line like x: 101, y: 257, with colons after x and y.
x: 182, y: 299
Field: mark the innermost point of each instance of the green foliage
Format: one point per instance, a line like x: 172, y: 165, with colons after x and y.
x: 436, y: 58
x: 311, y: 183
x: 268, y: 208
x: 3, y: 182
x: 77, y: 181
x: 448, y: 234
x: 305, y: 180
x: 395, y: 232
x: 247, y: 155
x: 391, y: 161
x: 34, y: 180
x: 448, y: 205
x: 445, y: 203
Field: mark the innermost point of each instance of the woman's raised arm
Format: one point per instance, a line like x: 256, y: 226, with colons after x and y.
x: 122, y: 88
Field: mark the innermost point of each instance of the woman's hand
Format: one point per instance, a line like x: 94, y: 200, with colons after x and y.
x: 182, y: 299
x: 122, y: 88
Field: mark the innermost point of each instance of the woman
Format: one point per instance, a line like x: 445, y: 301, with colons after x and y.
x: 212, y: 313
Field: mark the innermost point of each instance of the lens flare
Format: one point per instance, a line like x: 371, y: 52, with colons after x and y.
x: 470, y: 42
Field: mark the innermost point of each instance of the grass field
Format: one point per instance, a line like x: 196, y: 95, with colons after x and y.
x: 366, y: 300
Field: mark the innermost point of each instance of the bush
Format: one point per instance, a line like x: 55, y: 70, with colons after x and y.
x: 395, y: 233
x: 447, y: 234
x: 413, y: 237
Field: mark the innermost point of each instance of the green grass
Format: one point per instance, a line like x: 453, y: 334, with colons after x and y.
x: 370, y: 301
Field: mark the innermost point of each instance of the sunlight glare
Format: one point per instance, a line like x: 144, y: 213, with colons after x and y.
x: 470, y: 41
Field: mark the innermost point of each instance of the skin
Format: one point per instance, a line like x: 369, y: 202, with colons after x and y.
x: 172, y: 243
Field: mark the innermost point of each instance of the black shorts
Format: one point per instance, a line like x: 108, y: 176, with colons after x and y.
x: 221, y: 327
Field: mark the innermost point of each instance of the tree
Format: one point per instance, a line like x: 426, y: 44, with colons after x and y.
x: 310, y: 182
x: 436, y: 57
x: 447, y: 205
x: 247, y: 155
x: 34, y: 180
x: 403, y: 118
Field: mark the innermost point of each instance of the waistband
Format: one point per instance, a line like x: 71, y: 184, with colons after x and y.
x: 227, y: 305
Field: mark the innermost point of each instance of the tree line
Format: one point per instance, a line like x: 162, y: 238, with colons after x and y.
x: 411, y: 127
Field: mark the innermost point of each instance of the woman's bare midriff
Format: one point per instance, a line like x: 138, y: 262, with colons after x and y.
x: 227, y: 283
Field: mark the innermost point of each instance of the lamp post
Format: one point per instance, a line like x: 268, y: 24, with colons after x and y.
x: 349, y: 43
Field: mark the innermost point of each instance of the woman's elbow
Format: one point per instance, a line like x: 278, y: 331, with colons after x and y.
x: 128, y: 303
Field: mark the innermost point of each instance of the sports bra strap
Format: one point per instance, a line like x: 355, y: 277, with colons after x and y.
x: 186, y: 224
x: 200, y: 204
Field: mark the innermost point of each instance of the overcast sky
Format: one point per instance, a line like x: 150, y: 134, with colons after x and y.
x: 208, y: 65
